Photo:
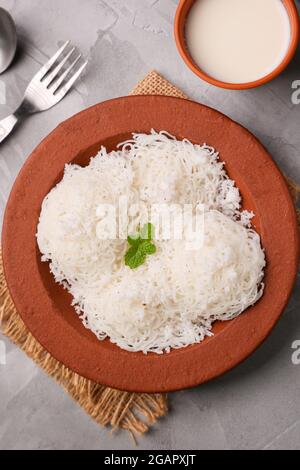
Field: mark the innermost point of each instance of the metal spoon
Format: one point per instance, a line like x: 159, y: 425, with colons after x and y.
x: 8, y: 39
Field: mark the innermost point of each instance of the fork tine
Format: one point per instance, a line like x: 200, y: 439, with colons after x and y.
x: 56, y: 84
x: 42, y: 72
x: 51, y: 76
x: 64, y: 90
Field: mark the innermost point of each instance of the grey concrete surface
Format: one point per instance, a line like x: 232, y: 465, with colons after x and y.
x: 257, y: 405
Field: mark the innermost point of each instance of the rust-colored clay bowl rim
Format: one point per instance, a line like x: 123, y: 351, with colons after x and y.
x: 45, y: 307
x: 179, y: 29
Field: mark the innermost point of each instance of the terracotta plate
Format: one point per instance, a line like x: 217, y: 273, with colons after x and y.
x: 45, y: 307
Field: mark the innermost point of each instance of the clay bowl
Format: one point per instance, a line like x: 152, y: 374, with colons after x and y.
x: 179, y: 29
x: 45, y: 307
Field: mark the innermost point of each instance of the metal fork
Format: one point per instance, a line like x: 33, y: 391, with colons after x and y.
x: 47, y: 88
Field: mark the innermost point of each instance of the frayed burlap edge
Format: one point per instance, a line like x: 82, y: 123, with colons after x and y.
x: 130, y: 411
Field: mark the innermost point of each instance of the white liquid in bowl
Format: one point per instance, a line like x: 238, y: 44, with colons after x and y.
x: 238, y: 41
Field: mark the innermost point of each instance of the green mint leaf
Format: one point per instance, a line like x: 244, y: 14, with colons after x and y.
x: 134, y: 240
x: 147, y: 247
x: 147, y: 232
x: 134, y: 258
x: 140, y: 247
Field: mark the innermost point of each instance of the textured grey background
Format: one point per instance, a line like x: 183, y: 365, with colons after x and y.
x: 255, y: 406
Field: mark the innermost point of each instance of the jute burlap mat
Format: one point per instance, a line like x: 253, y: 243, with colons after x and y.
x: 108, y: 407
